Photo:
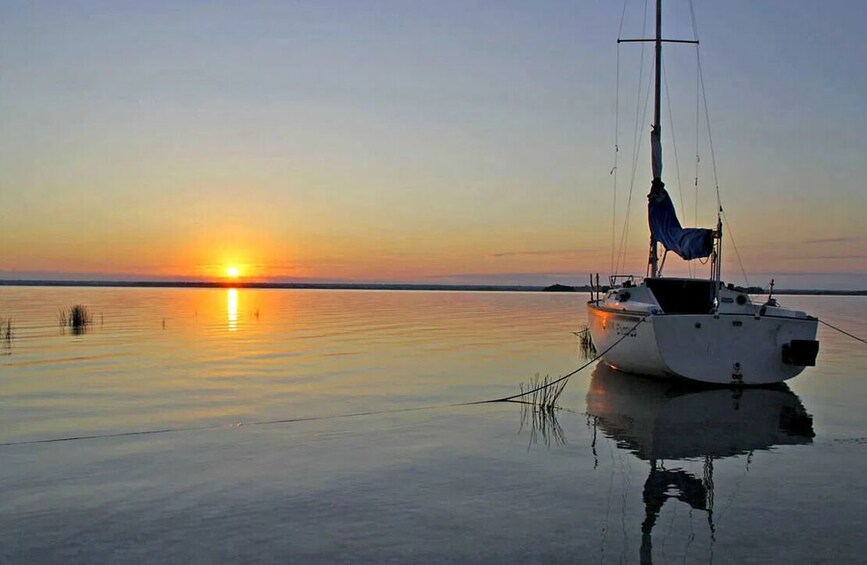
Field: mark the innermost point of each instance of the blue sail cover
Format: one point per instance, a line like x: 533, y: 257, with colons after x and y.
x: 688, y: 243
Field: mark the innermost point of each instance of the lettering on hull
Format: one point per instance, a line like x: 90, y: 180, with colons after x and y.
x: 625, y: 329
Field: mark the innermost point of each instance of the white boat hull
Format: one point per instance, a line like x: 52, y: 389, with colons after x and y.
x: 741, y: 349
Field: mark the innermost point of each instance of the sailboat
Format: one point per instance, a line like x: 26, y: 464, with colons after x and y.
x: 693, y: 328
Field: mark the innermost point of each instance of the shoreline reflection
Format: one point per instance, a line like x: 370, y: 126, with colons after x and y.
x: 658, y: 421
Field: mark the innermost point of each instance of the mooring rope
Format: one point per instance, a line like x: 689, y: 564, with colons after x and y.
x: 511, y: 398
x: 226, y: 426
x: 568, y: 375
x: 844, y: 332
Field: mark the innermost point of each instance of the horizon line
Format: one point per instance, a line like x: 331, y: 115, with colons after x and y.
x: 358, y: 286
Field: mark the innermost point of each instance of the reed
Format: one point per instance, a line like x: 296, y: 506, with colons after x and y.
x: 77, y: 318
x: 539, y: 410
x: 6, y: 332
x: 542, y: 393
x: 587, y: 348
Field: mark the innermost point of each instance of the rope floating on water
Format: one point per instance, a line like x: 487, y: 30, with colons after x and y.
x: 511, y: 398
x: 227, y: 426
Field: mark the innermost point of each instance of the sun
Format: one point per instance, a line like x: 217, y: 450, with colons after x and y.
x: 233, y: 272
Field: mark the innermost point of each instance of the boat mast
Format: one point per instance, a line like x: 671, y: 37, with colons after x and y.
x: 657, y: 187
x: 655, y: 135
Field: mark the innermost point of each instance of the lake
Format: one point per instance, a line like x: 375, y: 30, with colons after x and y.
x: 323, y: 426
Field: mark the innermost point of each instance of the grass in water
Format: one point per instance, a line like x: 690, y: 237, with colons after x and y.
x: 77, y: 318
x: 539, y: 409
x: 6, y: 333
x: 585, y: 342
x: 543, y: 392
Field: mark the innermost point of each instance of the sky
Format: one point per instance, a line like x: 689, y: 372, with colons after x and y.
x: 421, y: 141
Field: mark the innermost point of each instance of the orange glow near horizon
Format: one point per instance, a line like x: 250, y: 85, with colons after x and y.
x: 418, y: 258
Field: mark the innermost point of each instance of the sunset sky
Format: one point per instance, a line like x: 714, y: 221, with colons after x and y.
x: 418, y: 141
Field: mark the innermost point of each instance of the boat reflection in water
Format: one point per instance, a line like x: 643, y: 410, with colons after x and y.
x: 659, y: 421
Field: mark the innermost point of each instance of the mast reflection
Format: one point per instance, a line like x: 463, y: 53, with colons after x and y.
x: 658, y: 421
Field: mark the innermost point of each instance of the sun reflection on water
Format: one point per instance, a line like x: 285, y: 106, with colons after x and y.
x: 232, y: 308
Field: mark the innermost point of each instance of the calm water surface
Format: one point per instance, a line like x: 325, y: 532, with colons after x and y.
x: 260, y: 452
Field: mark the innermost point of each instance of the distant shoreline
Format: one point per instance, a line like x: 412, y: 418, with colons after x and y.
x: 362, y: 286
x: 268, y: 285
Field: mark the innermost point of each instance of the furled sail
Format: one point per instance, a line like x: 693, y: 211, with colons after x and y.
x: 688, y: 243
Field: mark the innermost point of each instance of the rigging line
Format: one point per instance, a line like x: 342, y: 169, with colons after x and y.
x: 668, y: 532
x: 734, y: 245
x: 698, y: 83
x: 622, y: 17
x: 331, y: 417
x: 616, y: 143
x: 697, y: 141
x: 624, y: 502
x: 720, y: 211
x: 635, y: 145
x: 844, y: 332
x: 606, y: 527
x: 709, y: 134
x: 616, y: 151
x: 635, y: 157
x: 697, y: 117
x: 697, y: 105
x: 704, y: 97
x: 638, y: 144
x: 673, y: 143
x: 693, y: 20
